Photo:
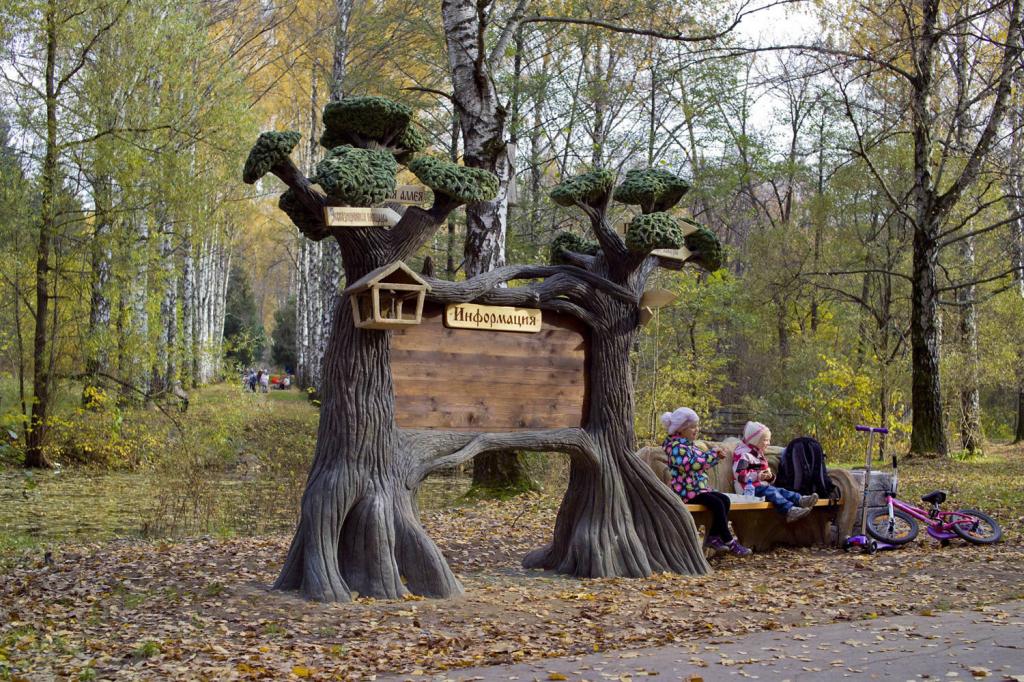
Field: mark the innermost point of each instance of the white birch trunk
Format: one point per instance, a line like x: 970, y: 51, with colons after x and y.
x: 164, y: 371
x: 482, y: 118
x: 188, y: 310
x: 138, y: 322
x: 99, y: 339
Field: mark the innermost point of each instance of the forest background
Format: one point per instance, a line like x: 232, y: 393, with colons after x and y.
x: 135, y: 266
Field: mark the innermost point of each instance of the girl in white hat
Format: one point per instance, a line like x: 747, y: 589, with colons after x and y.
x: 689, y: 467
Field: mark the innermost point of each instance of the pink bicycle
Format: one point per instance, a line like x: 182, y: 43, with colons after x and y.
x: 897, y: 522
x: 897, y: 525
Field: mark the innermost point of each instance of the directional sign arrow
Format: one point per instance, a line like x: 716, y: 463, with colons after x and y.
x: 343, y: 216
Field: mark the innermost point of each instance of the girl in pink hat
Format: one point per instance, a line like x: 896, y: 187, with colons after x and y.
x: 749, y: 464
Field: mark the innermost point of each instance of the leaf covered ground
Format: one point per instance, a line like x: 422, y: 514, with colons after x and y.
x: 201, y: 608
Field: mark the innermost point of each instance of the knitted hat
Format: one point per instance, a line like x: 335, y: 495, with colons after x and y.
x: 752, y: 432
x: 681, y: 418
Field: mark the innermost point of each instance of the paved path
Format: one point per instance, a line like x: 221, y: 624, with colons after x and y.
x: 988, y: 643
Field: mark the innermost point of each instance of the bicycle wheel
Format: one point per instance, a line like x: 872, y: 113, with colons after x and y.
x: 975, y: 526
x: 900, y: 530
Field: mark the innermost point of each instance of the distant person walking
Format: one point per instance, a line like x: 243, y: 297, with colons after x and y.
x: 264, y: 381
x: 251, y: 380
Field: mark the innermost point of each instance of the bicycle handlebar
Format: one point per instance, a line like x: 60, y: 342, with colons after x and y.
x: 872, y: 429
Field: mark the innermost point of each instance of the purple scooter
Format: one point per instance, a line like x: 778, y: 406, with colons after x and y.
x: 865, y: 542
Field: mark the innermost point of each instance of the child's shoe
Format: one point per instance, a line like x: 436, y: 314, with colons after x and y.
x: 715, y: 543
x: 797, y: 513
x: 808, y: 500
x: 739, y: 550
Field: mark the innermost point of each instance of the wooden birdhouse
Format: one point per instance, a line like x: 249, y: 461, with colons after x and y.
x: 388, y: 298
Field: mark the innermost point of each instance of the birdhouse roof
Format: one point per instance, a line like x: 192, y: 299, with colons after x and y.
x: 392, y: 273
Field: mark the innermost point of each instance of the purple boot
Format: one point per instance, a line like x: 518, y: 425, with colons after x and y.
x: 736, y: 548
x: 715, y: 543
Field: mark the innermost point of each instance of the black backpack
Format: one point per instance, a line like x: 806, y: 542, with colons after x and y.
x: 802, y: 469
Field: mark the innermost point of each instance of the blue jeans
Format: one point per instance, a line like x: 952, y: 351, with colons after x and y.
x: 780, y: 497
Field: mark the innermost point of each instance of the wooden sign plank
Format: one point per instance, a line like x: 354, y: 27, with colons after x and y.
x: 483, y: 380
x: 345, y: 216
x: 410, y: 194
x: 492, y: 317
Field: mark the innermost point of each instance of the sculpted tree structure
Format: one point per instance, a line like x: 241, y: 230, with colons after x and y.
x: 359, y: 530
x: 616, y: 518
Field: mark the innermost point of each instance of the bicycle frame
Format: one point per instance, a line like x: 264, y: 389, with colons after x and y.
x: 937, y: 523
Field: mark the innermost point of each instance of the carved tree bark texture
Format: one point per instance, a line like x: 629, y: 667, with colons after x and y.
x: 617, y: 519
x: 359, y: 530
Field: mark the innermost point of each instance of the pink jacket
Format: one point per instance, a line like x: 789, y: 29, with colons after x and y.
x: 748, y: 462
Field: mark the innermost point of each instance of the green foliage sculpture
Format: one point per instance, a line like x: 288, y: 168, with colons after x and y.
x: 357, y: 177
x: 652, y: 189
x: 365, y: 121
x: 707, y: 250
x: 570, y: 242
x: 588, y: 188
x: 270, y: 149
x: 651, y: 231
x: 460, y: 183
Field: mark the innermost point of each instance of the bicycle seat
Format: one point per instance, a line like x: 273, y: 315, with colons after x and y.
x: 937, y: 497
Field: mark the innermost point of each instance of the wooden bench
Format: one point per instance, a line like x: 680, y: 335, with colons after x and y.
x: 757, y: 524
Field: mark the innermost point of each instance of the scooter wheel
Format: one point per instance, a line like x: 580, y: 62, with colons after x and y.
x: 872, y: 547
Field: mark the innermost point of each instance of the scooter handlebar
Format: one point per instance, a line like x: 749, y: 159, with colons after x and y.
x: 872, y: 429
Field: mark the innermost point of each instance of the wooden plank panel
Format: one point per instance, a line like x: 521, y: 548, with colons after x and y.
x: 477, y: 380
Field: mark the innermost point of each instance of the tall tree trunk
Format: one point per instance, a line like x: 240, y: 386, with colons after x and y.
x: 1013, y: 191
x: 971, y: 435
x: 138, y: 369
x: 41, y: 369
x: 99, y: 338
x: 929, y: 433
x: 165, y: 368
x: 188, y: 309
x: 482, y: 118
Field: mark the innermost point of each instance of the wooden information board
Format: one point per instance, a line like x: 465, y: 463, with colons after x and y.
x: 481, y: 380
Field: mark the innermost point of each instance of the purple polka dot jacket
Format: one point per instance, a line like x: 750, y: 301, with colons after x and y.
x: 689, y: 466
